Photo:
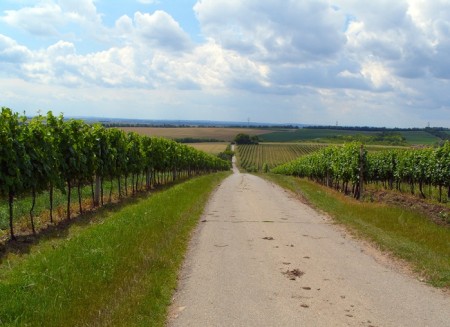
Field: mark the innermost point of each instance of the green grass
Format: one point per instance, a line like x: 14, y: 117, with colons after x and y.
x: 22, y: 206
x: 119, y: 270
x: 407, y: 234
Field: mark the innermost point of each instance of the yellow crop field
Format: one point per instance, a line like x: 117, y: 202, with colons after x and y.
x: 210, y: 147
x: 219, y: 133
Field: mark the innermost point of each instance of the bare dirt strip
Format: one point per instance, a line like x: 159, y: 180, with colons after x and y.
x: 260, y: 257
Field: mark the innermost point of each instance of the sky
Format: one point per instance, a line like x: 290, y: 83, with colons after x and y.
x: 345, y: 62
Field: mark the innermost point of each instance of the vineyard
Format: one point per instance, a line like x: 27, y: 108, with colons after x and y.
x: 48, y: 155
x: 253, y: 157
x: 425, y: 172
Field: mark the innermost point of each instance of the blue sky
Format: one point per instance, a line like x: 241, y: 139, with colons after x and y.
x: 377, y: 63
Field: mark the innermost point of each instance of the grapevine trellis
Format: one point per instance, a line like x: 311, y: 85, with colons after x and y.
x: 344, y: 168
x: 48, y: 153
x: 252, y: 157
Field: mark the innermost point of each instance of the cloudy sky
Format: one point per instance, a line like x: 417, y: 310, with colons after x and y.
x: 377, y: 63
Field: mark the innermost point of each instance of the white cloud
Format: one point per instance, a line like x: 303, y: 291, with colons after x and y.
x: 148, y: 2
x: 411, y: 37
x: 295, y: 32
x: 43, y: 19
x: 50, y: 18
x: 161, y: 30
x: 308, y: 58
x: 11, y: 51
x: 82, y: 10
x: 124, y: 26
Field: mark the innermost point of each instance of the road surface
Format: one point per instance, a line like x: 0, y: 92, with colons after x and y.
x: 260, y: 257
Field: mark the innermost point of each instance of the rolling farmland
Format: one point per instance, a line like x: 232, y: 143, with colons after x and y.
x: 304, y: 134
x: 253, y: 157
x: 218, y: 133
x: 326, y: 135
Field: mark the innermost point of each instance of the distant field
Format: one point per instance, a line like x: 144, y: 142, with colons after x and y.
x: 324, y: 135
x: 219, y: 133
x: 305, y: 134
x: 210, y: 147
x: 267, y: 135
x: 420, y: 137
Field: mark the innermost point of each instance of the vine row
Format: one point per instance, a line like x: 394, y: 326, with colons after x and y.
x: 48, y: 153
x: 348, y: 167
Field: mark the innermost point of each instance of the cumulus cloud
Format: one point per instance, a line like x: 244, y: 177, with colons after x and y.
x: 296, y: 31
x: 161, y: 30
x: 410, y: 37
x: 43, y: 19
x: 80, y: 10
x: 49, y: 18
x: 11, y: 51
x: 148, y: 50
x: 308, y: 54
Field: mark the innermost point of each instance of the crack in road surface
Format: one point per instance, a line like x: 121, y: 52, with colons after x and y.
x: 232, y: 276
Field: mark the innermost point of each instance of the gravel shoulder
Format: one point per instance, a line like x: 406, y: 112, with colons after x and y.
x: 260, y: 257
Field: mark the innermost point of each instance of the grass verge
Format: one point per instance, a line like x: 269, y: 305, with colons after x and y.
x: 404, y: 233
x: 119, y: 271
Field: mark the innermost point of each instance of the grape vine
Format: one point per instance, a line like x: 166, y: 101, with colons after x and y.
x: 343, y: 167
x: 48, y: 152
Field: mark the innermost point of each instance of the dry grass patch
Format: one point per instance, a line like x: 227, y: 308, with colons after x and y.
x: 210, y: 147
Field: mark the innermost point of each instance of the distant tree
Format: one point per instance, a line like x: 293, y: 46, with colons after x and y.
x: 227, y: 155
x: 254, y: 139
x: 246, y: 139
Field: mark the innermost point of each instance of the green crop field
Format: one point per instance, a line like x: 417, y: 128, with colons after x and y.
x: 339, y: 136
x: 419, y: 137
x: 305, y: 134
x: 253, y: 157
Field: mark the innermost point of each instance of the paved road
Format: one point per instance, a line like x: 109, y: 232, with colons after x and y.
x: 262, y: 258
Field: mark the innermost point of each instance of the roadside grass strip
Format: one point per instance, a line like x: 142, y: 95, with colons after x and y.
x: 120, y: 270
x: 405, y: 233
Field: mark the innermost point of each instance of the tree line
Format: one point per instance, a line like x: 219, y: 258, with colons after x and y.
x: 47, y: 152
x: 377, y: 129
